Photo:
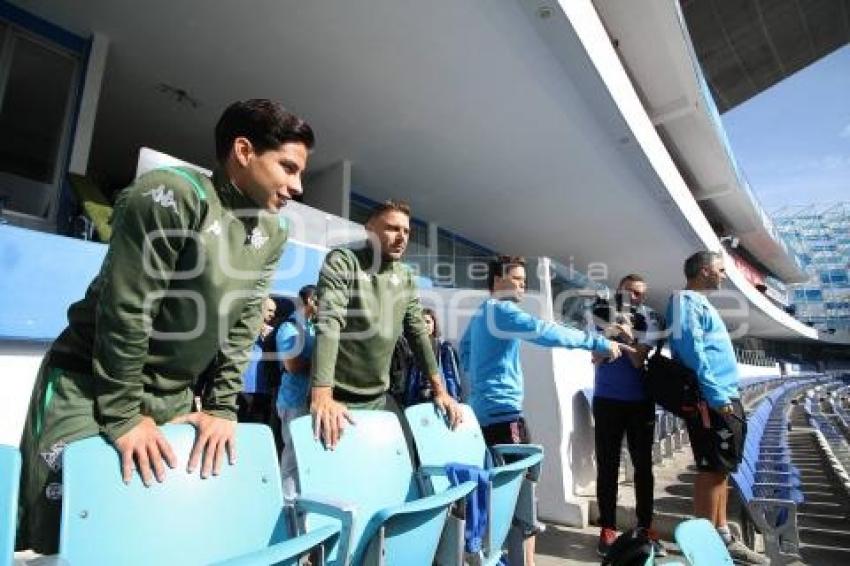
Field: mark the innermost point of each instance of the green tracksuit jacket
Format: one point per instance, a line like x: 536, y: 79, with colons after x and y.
x: 179, y: 294
x: 364, y: 306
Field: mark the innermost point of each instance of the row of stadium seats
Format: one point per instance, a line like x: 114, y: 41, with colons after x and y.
x: 363, y: 502
x: 767, y: 481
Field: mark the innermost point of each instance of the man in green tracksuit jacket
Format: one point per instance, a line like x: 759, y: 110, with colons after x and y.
x: 178, y: 295
x: 367, y: 298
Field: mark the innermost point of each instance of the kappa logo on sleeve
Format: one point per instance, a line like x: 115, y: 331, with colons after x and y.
x: 162, y: 197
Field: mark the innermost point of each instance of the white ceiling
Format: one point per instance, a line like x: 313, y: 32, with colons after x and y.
x: 459, y: 106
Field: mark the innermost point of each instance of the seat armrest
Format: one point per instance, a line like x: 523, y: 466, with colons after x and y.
x: 427, y: 503
x: 342, y: 511
x: 286, y: 550
x: 534, y: 451
x: 428, y: 471
x: 423, y: 475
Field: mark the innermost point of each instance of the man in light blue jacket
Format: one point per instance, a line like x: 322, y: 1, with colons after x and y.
x: 490, y: 349
x: 699, y: 339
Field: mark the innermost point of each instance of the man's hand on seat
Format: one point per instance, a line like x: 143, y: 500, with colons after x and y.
x: 214, y: 436
x: 329, y: 416
x: 144, y: 448
x: 445, y: 403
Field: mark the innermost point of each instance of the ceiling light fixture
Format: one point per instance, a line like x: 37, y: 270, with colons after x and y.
x: 544, y: 12
x: 179, y: 95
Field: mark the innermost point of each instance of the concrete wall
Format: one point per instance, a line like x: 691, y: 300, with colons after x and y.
x: 20, y: 363
x: 330, y: 189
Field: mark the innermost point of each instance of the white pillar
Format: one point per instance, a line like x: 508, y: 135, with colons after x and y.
x: 88, y: 104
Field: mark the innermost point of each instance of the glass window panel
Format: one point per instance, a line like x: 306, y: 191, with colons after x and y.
x: 34, y: 107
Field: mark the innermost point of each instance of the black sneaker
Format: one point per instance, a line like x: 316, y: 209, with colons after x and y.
x: 658, y: 548
x: 606, y: 539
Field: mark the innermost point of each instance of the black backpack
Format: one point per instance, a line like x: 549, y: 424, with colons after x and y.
x: 672, y: 385
x: 632, y: 548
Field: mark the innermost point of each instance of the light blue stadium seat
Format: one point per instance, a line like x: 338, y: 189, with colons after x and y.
x: 10, y: 474
x: 235, y: 518
x: 700, y: 544
x: 368, y: 481
x: 438, y: 445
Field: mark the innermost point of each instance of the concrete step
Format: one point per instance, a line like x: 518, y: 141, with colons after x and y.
x: 825, y: 537
x: 821, y: 521
x: 824, y: 555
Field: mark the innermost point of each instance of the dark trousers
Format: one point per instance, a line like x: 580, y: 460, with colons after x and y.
x: 635, y: 420
x: 253, y: 407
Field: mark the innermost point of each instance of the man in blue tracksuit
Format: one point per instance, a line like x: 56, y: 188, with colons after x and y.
x: 699, y: 339
x: 622, y: 408
x: 490, y: 348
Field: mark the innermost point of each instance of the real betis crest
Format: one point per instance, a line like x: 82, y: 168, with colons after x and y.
x: 257, y: 239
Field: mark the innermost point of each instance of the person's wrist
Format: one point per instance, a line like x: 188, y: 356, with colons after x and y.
x: 320, y: 393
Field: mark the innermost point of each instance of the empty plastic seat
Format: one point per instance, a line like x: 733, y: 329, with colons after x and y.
x: 439, y: 445
x: 700, y: 544
x: 237, y: 517
x: 367, y: 481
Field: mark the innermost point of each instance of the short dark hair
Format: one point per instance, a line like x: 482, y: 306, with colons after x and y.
x: 633, y: 277
x: 433, y: 314
x: 500, y: 266
x: 266, y: 124
x: 699, y: 260
x: 307, y: 292
x: 388, y: 206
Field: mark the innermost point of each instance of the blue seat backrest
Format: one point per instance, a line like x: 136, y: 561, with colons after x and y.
x: 10, y: 473
x: 370, y: 467
x: 183, y: 520
x: 700, y: 544
x: 438, y: 445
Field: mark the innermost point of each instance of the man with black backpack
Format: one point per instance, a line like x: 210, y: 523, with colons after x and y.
x: 700, y: 341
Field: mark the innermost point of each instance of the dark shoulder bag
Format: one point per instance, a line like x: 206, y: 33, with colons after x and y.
x: 672, y: 385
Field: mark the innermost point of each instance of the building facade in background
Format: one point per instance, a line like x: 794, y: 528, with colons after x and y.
x: 820, y: 236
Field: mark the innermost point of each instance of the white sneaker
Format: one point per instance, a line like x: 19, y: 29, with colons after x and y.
x: 742, y: 554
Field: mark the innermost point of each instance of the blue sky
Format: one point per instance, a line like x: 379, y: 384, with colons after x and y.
x: 793, y: 140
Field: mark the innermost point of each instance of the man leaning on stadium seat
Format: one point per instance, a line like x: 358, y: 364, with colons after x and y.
x: 367, y: 298
x: 151, y: 324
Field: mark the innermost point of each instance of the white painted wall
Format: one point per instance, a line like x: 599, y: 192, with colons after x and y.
x: 18, y: 374
x: 746, y: 370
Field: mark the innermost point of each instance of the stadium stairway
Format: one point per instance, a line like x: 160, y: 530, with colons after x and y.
x: 824, y: 518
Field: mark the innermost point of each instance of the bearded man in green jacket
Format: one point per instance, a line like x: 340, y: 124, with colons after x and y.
x: 367, y: 298
x: 178, y: 295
